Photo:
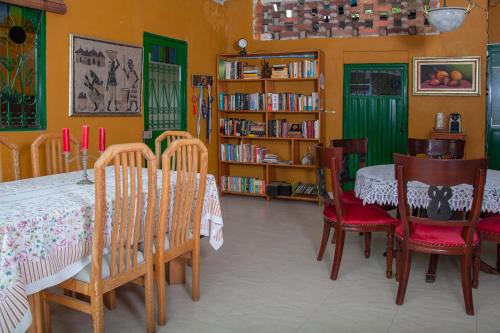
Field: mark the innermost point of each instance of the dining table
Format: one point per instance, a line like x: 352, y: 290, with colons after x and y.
x: 46, y: 228
x: 377, y: 185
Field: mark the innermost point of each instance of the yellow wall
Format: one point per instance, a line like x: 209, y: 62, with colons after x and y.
x: 469, y: 40
x: 199, y: 22
x: 494, y: 22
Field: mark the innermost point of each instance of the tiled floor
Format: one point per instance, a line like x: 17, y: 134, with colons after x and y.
x: 266, y: 279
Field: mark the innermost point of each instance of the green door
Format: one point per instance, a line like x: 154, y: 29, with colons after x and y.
x: 165, y: 85
x: 493, y: 114
x: 376, y: 107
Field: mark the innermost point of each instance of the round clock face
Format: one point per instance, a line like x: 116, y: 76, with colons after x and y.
x: 242, y: 43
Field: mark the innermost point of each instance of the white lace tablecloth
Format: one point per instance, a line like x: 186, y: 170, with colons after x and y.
x: 377, y: 184
x: 46, y: 227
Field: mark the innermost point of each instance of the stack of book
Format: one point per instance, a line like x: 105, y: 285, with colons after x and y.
x: 310, y: 129
x: 271, y: 158
x: 307, y: 189
x: 251, y: 72
x: 292, y: 102
x: 245, y: 153
x: 303, y: 69
x: 241, y: 101
x: 231, y: 70
x: 278, y: 128
x: 243, y: 184
x: 279, y: 71
x: 241, y: 127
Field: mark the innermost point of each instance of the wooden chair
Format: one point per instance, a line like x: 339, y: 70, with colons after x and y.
x: 14, y: 151
x: 438, y: 233
x: 344, y: 216
x: 450, y: 149
x: 488, y: 229
x: 123, y: 262
x: 165, y: 139
x: 182, y: 236
x: 54, y: 159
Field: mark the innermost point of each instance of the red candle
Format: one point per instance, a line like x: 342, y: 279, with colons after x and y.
x: 65, y: 140
x: 85, y: 137
x: 102, y: 139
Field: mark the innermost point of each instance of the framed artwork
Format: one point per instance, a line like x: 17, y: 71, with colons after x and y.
x: 459, y: 76
x: 105, y: 78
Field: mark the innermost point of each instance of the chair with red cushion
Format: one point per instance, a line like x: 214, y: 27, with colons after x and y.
x: 343, y: 216
x: 438, y: 233
x: 488, y: 229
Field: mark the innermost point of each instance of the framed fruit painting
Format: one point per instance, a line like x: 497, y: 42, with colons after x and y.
x: 459, y: 76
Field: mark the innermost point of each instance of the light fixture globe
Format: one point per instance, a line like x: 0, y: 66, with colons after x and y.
x: 446, y: 19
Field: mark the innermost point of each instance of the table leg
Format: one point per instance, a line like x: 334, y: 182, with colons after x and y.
x: 35, y: 301
x: 430, y: 277
x: 177, y: 271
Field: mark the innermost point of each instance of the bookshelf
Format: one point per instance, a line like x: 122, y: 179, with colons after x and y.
x: 256, y: 113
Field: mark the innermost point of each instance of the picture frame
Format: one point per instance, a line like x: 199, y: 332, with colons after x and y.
x: 105, y: 78
x: 447, y: 76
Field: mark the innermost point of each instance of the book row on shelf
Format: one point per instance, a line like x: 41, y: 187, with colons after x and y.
x: 279, y: 128
x: 248, y: 153
x: 271, y: 102
x: 238, y: 70
x: 243, y: 185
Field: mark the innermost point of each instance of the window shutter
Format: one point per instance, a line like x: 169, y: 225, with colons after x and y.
x: 54, y: 6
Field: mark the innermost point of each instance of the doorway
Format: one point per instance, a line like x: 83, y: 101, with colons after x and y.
x: 376, y: 107
x: 493, y: 107
x: 165, y: 86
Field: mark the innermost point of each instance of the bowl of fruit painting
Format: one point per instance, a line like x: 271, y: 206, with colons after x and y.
x: 446, y: 76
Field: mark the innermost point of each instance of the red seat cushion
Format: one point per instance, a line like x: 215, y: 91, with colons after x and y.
x: 435, y: 235
x: 360, y: 214
x: 349, y: 197
x: 489, y: 225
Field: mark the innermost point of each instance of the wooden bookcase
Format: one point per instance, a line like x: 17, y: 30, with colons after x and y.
x: 287, y: 148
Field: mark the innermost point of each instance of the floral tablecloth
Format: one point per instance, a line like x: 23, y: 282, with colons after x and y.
x: 377, y: 184
x: 45, y: 235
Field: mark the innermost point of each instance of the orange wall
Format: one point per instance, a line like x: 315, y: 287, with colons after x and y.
x: 494, y: 23
x: 199, y: 22
x: 469, y: 40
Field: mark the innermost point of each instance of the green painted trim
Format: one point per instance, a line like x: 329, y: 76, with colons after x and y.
x: 490, y: 144
x: 41, y: 77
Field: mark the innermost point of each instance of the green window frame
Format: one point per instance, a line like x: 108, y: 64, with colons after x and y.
x: 22, y: 69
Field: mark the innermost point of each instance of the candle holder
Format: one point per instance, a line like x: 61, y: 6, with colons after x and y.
x: 85, y: 156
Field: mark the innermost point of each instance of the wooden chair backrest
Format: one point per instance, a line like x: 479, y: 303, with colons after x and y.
x: 54, y: 159
x: 353, y: 148
x: 451, y: 149
x: 167, y: 138
x: 191, y: 171
x: 441, y: 174
x: 129, y: 225
x: 14, y: 151
x: 330, y: 159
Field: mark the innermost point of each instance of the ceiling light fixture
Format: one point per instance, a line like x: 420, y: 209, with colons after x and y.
x: 446, y: 19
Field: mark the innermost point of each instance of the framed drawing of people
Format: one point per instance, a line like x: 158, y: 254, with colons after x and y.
x: 105, y: 78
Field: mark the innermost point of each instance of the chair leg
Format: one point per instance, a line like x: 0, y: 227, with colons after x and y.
x: 149, y: 300
x: 405, y: 262
x: 368, y: 241
x: 398, y: 260
x: 477, y: 267
x: 110, y: 300
x: 339, y: 248
x: 47, y: 322
x: 324, y: 240
x: 466, y: 283
x: 196, y: 274
x: 498, y: 257
x: 430, y: 276
x: 97, y: 306
x: 333, y: 237
x: 390, y: 254
x: 161, y: 295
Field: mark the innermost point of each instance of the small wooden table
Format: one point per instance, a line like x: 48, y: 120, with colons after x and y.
x: 438, y: 135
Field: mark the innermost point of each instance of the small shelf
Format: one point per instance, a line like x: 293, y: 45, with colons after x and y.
x: 245, y: 193
x: 277, y: 165
x: 266, y: 138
